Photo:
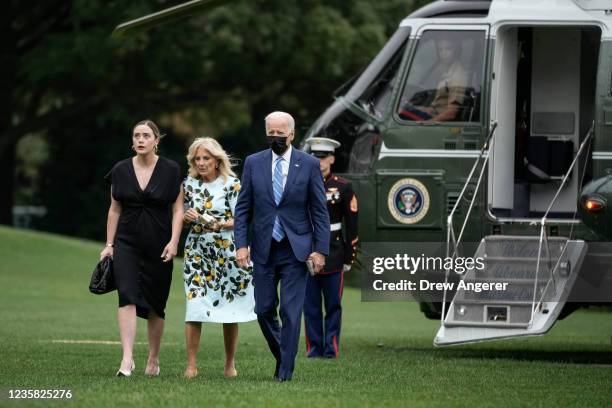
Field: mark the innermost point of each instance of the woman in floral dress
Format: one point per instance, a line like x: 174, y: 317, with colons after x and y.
x: 217, y: 289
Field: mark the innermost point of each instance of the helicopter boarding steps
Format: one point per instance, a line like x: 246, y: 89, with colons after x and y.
x: 477, y: 316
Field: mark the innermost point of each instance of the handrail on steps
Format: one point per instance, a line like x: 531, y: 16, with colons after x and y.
x: 450, y: 232
x: 544, y: 237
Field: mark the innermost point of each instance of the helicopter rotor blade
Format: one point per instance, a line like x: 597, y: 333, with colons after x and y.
x: 144, y: 23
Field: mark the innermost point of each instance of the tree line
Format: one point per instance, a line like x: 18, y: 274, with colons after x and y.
x: 70, y: 94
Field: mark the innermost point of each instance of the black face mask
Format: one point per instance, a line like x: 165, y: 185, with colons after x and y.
x: 278, y: 144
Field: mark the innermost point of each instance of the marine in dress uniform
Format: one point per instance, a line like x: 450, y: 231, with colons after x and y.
x: 323, y: 333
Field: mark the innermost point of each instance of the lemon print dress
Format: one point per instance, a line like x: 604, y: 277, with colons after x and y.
x: 217, y: 290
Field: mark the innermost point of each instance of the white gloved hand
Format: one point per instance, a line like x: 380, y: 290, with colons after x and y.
x: 346, y: 268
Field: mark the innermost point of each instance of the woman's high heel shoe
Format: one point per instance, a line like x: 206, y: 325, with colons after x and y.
x: 122, y: 373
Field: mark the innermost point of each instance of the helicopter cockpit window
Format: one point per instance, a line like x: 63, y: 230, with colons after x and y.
x: 445, y: 78
x: 372, y: 91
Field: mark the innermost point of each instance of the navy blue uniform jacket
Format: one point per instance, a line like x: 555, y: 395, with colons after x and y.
x: 302, y: 209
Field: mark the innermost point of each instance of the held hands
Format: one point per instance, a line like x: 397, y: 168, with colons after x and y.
x: 243, y: 257
x: 318, y: 261
x: 106, y: 252
x: 169, y: 252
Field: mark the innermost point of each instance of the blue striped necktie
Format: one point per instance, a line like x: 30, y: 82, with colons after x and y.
x: 278, y: 233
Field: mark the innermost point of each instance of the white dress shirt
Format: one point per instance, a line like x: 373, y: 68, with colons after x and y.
x: 284, y: 164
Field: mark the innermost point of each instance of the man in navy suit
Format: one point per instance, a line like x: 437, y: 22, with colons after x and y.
x: 283, y: 201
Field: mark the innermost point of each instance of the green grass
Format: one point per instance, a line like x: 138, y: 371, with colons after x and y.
x: 387, y: 357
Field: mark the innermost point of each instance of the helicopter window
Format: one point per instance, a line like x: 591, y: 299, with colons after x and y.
x: 374, y: 87
x: 445, y: 79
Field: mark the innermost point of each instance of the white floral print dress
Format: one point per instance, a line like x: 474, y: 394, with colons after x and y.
x: 217, y: 289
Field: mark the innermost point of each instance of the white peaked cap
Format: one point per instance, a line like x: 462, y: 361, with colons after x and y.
x: 322, y: 144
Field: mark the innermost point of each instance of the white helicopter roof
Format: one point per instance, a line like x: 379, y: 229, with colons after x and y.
x: 533, y: 12
x: 595, y: 4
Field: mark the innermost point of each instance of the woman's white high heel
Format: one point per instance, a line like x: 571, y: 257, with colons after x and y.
x: 122, y: 373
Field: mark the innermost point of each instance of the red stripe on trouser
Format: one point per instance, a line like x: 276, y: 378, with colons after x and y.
x: 340, y: 292
x: 308, y: 347
x: 335, y: 341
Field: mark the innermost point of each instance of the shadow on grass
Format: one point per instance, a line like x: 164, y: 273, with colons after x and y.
x: 603, y: 357
x: 556, y: 356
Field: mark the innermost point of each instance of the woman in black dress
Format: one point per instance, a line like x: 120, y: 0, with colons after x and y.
x: 142, y: 234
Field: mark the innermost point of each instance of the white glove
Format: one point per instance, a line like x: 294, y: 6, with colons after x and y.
x: 346, y: 267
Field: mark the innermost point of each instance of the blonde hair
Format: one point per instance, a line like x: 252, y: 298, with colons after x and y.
x: 214, y: 148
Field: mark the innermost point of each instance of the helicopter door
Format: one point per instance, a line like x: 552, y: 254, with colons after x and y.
x: 436, y: 128
x: 543, y: 100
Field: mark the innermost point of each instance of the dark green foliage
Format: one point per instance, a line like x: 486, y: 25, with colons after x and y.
x: 214, y: 75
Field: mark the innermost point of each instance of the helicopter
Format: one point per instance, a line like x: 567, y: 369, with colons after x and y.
x: 484, y: 122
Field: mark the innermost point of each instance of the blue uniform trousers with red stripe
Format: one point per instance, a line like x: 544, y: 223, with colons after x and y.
x: 323, y: 335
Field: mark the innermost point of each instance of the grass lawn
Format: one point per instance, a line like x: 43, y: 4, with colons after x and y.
x: 387, y: 357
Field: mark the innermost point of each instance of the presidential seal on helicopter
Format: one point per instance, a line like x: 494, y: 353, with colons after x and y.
x: 408, y: 201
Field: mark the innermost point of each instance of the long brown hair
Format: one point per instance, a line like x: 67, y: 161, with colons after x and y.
x: 152, y: 125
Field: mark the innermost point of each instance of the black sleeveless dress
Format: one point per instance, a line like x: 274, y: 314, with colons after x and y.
x: 144, y: 229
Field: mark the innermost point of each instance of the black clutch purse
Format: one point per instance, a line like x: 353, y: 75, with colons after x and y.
x: 102, y: 278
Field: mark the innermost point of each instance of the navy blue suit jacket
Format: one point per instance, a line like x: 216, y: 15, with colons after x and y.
x: 302, y: 209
